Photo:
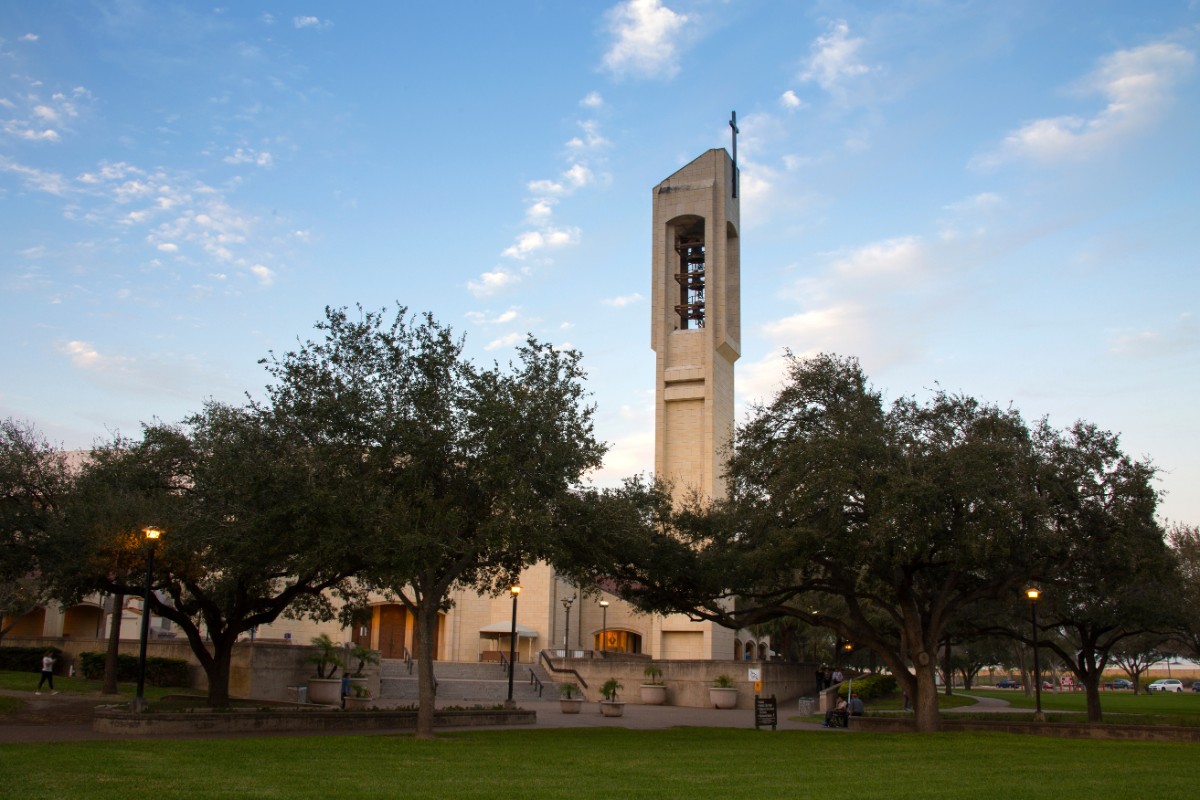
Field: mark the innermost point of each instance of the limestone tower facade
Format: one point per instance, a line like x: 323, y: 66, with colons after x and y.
x: 696, y: 326
x: 695, y: 332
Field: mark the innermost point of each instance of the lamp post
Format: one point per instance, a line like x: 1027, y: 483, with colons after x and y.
x: 512, y: 647
x: 151, y: 534
x: 1033, y: 594
x: 604, y: 627
x: 567, y: 601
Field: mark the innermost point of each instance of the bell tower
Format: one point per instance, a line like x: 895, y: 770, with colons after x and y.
x: 695, y: 328
x: 695, y: 332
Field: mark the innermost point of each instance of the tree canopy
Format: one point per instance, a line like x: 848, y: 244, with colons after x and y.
x: 256, y: 523
x: 33, y: 478
x: 881, y: 523
x: 460, y: 470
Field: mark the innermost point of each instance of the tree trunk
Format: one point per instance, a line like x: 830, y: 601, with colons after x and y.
x: 427, y: 615
x: 1091, y: 685
x: 114, y: 645
x: 217, y: 670
x: 925, y: 702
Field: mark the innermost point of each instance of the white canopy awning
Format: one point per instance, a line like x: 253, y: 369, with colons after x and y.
x: 505, y: 628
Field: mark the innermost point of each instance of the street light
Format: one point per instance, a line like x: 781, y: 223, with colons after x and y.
x: 604, y: 627
x: 512, y: 646
x: 1033, y: 594
x: 151, y: 534
x: 567, y: 601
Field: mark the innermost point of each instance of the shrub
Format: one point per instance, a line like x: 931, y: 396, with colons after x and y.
x: 159, y: 671
x: 25, y: 659
x: 870, y: 687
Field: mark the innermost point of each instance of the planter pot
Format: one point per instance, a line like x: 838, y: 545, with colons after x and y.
x: 571, y: 706
x: 654, y: 694
x: 612, y: 708
x: 722, y: 698
x: 325, y: 691
x: 358, y: 703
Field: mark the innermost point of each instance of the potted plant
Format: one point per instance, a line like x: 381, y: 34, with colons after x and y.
x: 610, y: 706
x: 654, y: 691
x: 723, y: 694
x: 327, y: 658
x: 359, y: 698
x: 361, y: 655
x: 569, y: 698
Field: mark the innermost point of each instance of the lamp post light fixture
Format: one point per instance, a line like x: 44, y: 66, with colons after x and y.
x: 151, y: 534
x: 1033, y: 594
x: 512, y: 647
x: 567, y: 601
x: 604, y: 628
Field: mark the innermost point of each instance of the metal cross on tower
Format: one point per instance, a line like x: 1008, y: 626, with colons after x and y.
x: 733, y: 124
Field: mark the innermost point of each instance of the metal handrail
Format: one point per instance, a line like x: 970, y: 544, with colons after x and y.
x: 408, y: 660
x: 534, y: 680
x: 545, y: 659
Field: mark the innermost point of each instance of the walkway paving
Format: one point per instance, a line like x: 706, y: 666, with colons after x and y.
x: 67, y: 718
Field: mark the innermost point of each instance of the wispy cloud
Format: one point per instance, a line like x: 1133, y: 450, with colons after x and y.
x: 29, y: 37
x: 310, y: 22
x: 592, y: 100
x: 492, y: 282
x: 532, y: 241
x: 645, y: 40
x: 1138, y: 86
x: 834, y: 60
x: 86, y: 356
x: 509, y: 340
x: 623, y: 300
x: 486, y: 318
x: 1180, y: 335
x: 36, y: 179
x: 171, y: 212
x: 248, y: 155
x: 37, y: 118
x: 790, y: 101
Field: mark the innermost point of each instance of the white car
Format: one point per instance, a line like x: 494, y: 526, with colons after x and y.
x: 1166, y: 685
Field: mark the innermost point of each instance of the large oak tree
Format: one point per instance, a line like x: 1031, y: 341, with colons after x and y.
x: 880, y: 523
x: 461, y: 469
x: 258, y: 523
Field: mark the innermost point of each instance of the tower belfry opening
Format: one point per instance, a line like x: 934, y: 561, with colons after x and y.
x: 689, y: 244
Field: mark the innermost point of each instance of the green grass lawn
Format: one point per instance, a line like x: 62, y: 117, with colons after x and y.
x: 28, y: 681
x: 607, y: 763
x: 1179, y: 709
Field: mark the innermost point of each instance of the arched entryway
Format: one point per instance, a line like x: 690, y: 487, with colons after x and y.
x: 617, y: 640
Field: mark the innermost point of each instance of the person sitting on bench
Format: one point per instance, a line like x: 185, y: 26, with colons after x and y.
x: 856, y: 705
x: 836, y: 716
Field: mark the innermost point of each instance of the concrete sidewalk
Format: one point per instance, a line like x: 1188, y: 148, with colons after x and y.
x: 67, y: 718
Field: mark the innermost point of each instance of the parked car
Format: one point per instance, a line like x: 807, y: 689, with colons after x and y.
x: 1118, y: 683
x: 1008, y: 683
x: 1166, y: 685
x: 1196, y: 686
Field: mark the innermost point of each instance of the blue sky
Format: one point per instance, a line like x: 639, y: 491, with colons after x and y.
x: 995, y: 198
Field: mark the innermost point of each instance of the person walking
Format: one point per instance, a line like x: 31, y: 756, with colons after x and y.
x: 47, y: 673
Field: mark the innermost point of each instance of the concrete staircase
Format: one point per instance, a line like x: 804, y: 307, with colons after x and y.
x: 464, y: 682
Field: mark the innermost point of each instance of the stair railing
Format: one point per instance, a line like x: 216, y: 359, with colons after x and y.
x: 534, y: 680
x: 545, y: 659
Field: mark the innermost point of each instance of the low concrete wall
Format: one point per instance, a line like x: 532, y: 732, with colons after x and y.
x: 285, y: 720
x: 258, y: 670
x: 688, y: 681
x: 1062, y: 730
